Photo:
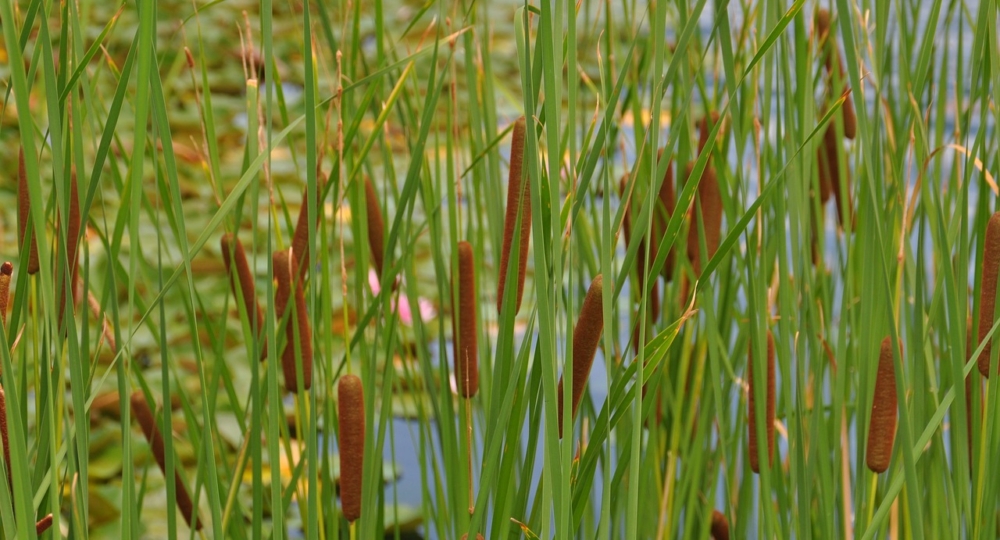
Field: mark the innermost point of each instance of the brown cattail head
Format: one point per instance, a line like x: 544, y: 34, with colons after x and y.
x: 665, y: 210
x: 72, y: 241
x: 43, y: 524
x: 300, y: 238
x: 831, y: 174
x: 833, y: 60
x: 720, y: 526
x: 640, y: 258
x: 518, y: 197
x: 24, y: 214
x: 988, y: 288
x: 586, y: 337
x: 376, y: 229
x: 351, y: 415
x: 466, y: 353
x: 5, y: 274
x: 708, y: 205
x: 882, y: 428
x: 769, y: 407
x: 3, y: 429
x: 152, y: 432
x: 233, y: 254
x: 290, y: 290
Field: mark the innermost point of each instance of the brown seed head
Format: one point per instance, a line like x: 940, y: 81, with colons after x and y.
x: 3, y: 428
x: 233, y: 254
x: 466, y: 352
x: 518, y: 198
x: 769, y: 407
x: 640, y: 258
x: 24, y: 214
x: 988, y: 288
x: 43, y: 524
x: 300, y: 238
x: 882, y: 428
x: 285, y: 272
x: 5, y: 274
x: 665, y: 210
x: 147, y: 422
x: 351, y: 416
x: 720, y: 526
x: 586, y: 337
x: 376, y: 228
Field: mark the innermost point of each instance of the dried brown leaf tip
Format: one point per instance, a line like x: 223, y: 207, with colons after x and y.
x: 586, y: 338
x: 351, y: 417
x: 238, y: 268
x: 882, y: 427
x: 769, y: 406
x: 518, y: 200
x: 720, y: 526
x: 376, y: 228
x: 144, y: 415
x: 988, y: 288
x: 289, y: 295
x: 466, y: 351
x: 640, y: 258
x: 24, y: 214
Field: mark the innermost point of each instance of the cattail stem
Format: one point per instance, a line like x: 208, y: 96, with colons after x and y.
x: 518, y: 199
x: 351, y: 416
x: 988, y: 289
x: 5, y: 275
x: 586, y: 337
x: 24, y: 214
x: 882, y: 427
x: 466, y: 351
x: 233, y: 254
x: 286, y: 272
x: 376, y: 228
x: 769, y: 407
x: 153, y: 434
x: 300, y: 238
x: 720, y: 526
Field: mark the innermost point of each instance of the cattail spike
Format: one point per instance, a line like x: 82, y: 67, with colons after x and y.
x: 882, y: 427
x: 769, y: 407
x: 586, y: 338
x: 668, y: 201
x: 24, y: 214
x: 708, y: 205
x: 154, y: 436
x: 376, y: 228
x: 286, y: 272
x: 640, y: 258
x: 3, y: 429
x: 988, y: 288
x: 466, y: 353
x: 5, y: 275
x: 43, y: 524
x: 831, y: 54
x: 351, y: 416
x: 300, y: 238
x: 828, y: 169
x: 720, y: 526
x: 518, y: 195
x: 233, y: 254
x: 835, y: 175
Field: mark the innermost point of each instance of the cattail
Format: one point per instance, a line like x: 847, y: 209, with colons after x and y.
x: 586, y: 337
x: 152, y: 432
x: 720, y: 526
x: 376, y: 228
x: 830, y: 166
x: 234, y: 254
x: 351, y: 416
x: 824, y: 166
x: 300, y: 238
x: 988, y: 288
x: 286, y: 272
x: 72, y: 241
x: 5, y: 274
x: 517, y: 191
x: 466, y: 355
x: 769, y: 414
x: 24, y: 214
x: 668, y: 201
x: 708, y: 204
x: 43, y: 524
x: 831, y: 54
x: 3, y: 429
x: 882, y: 427
x: 640, y: 258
